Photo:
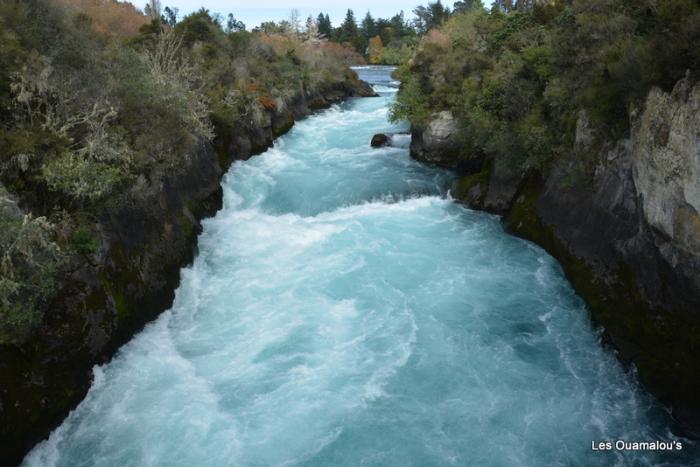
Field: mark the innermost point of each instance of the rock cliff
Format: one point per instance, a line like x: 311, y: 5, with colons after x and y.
x: 626, y: 230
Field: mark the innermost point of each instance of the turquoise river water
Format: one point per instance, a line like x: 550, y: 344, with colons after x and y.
x: 343, y: 310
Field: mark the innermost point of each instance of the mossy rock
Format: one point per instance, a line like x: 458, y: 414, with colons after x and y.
x: 283, y: 128
x: 472, y: 189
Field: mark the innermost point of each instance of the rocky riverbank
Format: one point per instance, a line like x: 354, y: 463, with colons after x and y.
x: 108, y: 296
x: 625, y: 229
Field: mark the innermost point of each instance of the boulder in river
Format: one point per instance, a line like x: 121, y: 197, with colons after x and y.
x: 362, y: 89
x: 380, y: 140
x: 437, y: 143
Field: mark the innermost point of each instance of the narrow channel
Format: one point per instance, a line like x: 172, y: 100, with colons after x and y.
x: 343, y: 310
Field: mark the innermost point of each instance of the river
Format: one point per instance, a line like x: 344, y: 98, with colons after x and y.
x: 343, y: 310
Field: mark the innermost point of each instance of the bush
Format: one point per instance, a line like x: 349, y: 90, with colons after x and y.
x: 29, y: 260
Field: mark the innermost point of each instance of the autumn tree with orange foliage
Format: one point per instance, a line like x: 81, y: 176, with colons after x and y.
x: 111, y: 19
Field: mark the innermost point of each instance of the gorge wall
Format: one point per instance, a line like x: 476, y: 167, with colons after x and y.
x: 108, y: 296
x: 625, y: 229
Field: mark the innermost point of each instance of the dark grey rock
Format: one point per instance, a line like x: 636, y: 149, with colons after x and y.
x: 380, y: 140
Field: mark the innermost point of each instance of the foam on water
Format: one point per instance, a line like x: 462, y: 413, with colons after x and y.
x: 343, y: 310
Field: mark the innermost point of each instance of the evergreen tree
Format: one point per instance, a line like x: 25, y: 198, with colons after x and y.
x: 431, y: 16
x: 311, y: 30
x: 369, y: 26
x: 169, y: 16
x: 466, y: 5
x: 398, y: 24
x: 348, y: 30
x: 323, y: 23
x: 396, y: 36
x: 503, y: 5
x: 234, y: 25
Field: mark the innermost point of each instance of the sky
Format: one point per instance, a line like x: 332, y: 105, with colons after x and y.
x: 253, y: 12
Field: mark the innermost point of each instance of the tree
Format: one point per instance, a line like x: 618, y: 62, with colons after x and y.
x: 369, y: 26
x: 528, y: 5
x: 197, y: 27
x: 398, y: 24
x: 503, y: 5
x: 375, y: 50
x: 431, y: 16
x: 234, y: 25
x: 466, y: 5
x: 311, y: 30
x: 268, y: 27
x: 285, y: 27
x: 153, y: 9
x: 394, y: 33
x: 294, y: 21
x: 348, y: 30
x: 325, y: 28
x: 169, y: 16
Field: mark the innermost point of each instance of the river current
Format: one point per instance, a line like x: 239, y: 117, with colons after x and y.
x: 343, y: 310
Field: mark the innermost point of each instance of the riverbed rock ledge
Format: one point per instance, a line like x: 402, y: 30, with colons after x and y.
x: 627, y: 233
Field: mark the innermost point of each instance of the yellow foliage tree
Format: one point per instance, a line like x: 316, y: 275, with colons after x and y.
x: 375, y: 50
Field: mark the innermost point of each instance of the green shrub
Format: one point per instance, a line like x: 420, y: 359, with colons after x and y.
x: 517, y: 80
x: 84, y: 241
x: 29, y: 261
x: 88, y: 120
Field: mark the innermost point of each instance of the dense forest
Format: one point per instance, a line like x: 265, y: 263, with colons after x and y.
x: 516, y: 76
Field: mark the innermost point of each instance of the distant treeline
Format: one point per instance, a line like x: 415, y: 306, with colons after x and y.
x: 379, y: 40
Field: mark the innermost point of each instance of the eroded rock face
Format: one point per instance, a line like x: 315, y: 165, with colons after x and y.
x: 666, y: 164
x: 438, y: 143
x: 628, y: 240
x: 626, y: 232
x: 504, y: 182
